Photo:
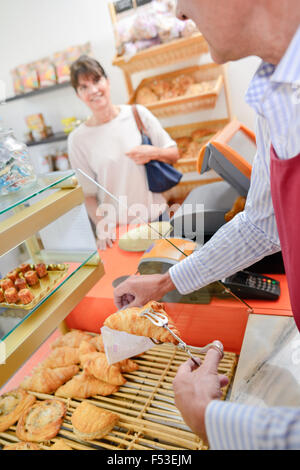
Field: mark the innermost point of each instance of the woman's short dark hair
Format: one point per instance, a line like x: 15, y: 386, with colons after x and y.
x: 88, y: 67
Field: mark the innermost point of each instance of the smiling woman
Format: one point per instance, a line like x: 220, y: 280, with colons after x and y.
x: 107, y: 147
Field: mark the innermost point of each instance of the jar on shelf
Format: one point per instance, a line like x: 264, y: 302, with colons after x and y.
x: 16, y: 171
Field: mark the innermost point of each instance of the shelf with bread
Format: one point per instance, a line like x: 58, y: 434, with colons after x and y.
x: 181, y: 91
x: 158, y: 56
x: 45, y: 270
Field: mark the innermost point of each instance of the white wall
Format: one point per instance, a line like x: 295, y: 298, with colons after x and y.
x: 33, y: 29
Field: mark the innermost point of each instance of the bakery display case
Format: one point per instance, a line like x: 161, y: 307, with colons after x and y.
x: 43, y: 227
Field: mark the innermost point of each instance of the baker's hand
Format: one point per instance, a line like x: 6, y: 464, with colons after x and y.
x: 136, y: 291
x: 143, y: 154
x: 195, y: 387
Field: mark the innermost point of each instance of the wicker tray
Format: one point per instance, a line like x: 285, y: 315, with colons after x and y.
x: 186, y: 165
x: 163, y: 54
x: 186, y: 103
x: 46, y: 284
x: 149, y: 419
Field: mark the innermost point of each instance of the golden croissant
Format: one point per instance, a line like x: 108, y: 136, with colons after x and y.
x: 41, y: 421
x: 48, y: 380
x: 128, y: 320
x: 61, y: 357
x: 97, y: 341
x: 85, y: 386
x: 98, y: 366
x: 128, y: 365
x: 12, y: 405
x: 92, y: 422
x: 72, y: 339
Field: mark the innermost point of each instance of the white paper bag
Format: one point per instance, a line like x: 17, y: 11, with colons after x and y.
x: 119, y: 345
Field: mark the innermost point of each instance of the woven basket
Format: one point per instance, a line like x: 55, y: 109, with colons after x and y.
x: 164, y: 54
x: 186, y: 165
x: 186, y: 103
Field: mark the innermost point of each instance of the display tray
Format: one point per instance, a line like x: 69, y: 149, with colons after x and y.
x: 163, y: 54
x: 185, y: 103
x: 54, y: 273
x: 149, y: 419
x: 186, y: 165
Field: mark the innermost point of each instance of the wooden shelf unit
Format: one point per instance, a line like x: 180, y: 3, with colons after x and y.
x: 21, y: 342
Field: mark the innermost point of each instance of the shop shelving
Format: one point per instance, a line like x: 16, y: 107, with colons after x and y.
x: 25, y: 215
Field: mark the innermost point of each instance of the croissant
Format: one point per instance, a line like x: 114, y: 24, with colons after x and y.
x: 92, y: 422
x: 129, y: 320
x: 48, y: 380
x: 42, y: 421
x: 85, y: 386
x: 86, y: 347
x: 72, y: 339
x: 99, y: 368
x: 97, y: 341
x: 61, y: 357
x: 12, y: 405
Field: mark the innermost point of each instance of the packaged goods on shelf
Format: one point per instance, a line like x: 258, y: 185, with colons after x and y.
x: 37, y: 126
x: 29, y: 77
x: 17, y: 82
x: 153, y: 24
x: 46, y: 71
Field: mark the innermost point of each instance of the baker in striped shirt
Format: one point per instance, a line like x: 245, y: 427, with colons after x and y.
x: 233, y: 29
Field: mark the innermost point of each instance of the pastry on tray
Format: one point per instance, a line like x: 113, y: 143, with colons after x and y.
x: 91, y: 422
x: 97, y: 341
x: 48, y: 380
x: 84, y: 386
x: 130, y: 321
x: 60, y: 445
x: 61, y: 357
x: 12, y: 405
x: 42, y: 421
x: 128, y: 365
x: 22, y: 446
x: 146, y: 96
x: 98, y: 366
x: 72, y: 339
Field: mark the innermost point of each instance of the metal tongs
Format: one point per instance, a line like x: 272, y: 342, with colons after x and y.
x: 160, y: 319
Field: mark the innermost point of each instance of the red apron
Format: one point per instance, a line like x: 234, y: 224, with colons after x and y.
x: 285, y: 189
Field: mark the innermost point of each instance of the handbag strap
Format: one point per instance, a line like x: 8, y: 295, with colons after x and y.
x: 138, y: 120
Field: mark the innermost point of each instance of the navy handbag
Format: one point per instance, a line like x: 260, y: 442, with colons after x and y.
x: 161, y: 176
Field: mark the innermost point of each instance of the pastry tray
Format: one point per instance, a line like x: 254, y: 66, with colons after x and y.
x: 149, y: 419
x: 46, y: 284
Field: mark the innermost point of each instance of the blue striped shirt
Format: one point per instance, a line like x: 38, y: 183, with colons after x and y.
x: 274, y: 93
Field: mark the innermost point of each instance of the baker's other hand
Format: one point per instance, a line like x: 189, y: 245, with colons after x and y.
x: 142, y: 154
x: 195, y: 387
x: 142, y: 289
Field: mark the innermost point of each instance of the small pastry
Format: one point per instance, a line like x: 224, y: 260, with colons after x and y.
x: 25, y: 296
x: 31, y: 278
x: 20, y: 283
x: 129, y: 320
x: 99, y: 368
x: 86, y: 347
x: 22, y: 446
x: 72, y: 339
x: 49, y: 380
x: 23, y: 268
x: 13, y: 275
x: 41, y: 270
x: 60, y: 445
x: 146, y: 96
x: 12, y: 405
x: 11, y: 295
x: 6, y: 284
x: 2, y: 299
x: 91, y: 422
x: 84, y: 386
x: 42, y: 421
x: 61, y: 357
